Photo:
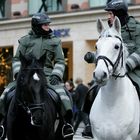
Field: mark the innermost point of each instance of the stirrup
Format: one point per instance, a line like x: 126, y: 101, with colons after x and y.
x: 1, y: 127
x: 69, y: 134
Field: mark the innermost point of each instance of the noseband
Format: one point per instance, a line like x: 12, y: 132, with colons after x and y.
x: 30, y: 109
x: 115, y: 65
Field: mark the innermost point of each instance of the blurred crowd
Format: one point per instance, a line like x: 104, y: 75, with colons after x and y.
x: 78, y: 94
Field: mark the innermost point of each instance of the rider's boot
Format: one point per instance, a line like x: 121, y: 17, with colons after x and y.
x: 67, y: 129
x: 87, y: 132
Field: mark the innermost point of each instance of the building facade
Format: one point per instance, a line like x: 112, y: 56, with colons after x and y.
x: 74, y: 21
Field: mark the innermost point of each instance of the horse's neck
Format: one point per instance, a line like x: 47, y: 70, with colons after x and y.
x: 114, y: 90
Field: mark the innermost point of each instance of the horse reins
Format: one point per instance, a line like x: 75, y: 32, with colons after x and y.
x: 31, y: 107
x: 107, y: 60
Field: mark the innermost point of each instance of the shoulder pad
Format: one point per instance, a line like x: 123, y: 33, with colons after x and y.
x: 23, y: 40
x: 55, y: 39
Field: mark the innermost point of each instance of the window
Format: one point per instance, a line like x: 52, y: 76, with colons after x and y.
x: 44, y: 5
x: 98, y: 3
x: 34, y: 6
x: 2, y: 8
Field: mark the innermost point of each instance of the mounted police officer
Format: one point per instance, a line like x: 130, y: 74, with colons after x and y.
x: 41, y: 40
x: 130, y: 31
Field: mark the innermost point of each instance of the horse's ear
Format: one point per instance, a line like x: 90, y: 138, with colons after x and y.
x: 100, y: 25
x: 117, y: 25
x: 42, y: 59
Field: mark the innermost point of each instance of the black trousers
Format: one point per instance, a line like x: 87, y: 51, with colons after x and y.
x: 80, y: 117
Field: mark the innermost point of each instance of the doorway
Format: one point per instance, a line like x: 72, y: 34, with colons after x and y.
x: 68, y: 54
x: 6, y: 54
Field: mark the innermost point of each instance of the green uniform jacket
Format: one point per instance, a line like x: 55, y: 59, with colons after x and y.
x: 131, y: 36
x: 39, y: 45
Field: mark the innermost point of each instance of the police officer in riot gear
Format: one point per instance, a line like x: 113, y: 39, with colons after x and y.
x: 130, y: 31
x: 41, y: 40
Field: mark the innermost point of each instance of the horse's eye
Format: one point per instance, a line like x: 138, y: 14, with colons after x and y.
x: 95, y: 47
x: 116, y: 47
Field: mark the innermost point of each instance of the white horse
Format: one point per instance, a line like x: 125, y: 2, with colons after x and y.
x: 115, y: 112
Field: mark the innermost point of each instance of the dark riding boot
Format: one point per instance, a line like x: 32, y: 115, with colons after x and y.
x: 87, y: 132
x: 67, y: 129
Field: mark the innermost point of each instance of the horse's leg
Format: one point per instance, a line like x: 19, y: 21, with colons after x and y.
x: 13, y: 133
x: 77, y: 121
x: 58, y: 133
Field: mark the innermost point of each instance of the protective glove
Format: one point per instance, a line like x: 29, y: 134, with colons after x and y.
x: 89, y: 57
x: 54, y: 80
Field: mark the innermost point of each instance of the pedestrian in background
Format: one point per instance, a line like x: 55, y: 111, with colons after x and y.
x: 71, y: 88
x: 80, y: 94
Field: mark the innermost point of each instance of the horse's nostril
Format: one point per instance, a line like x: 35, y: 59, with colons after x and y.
x: 104, y: 75
x: 93, y: 74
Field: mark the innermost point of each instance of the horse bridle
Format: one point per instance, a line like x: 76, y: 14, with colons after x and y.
x: 30, y: 108
x: 107, y: 60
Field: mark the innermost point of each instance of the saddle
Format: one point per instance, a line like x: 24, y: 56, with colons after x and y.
x: 54, y: 96
x: 8, y: 97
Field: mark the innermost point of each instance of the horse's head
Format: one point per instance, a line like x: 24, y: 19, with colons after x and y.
x: 110, y: 52
x: 32, y: 83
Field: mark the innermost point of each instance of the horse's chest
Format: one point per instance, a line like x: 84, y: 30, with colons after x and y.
x: 108, y: 130
x: 111, y: 123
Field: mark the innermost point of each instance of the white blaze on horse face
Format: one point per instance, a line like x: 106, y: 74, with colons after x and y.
x: 35, y: 77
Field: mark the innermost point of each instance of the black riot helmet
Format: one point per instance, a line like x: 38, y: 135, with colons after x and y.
x: 116, y: 5
x: 38, y: 20
x: 119, y: 9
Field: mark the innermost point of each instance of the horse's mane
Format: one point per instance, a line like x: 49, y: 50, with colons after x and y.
x: 31, y: 78
x: 30, y: 64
